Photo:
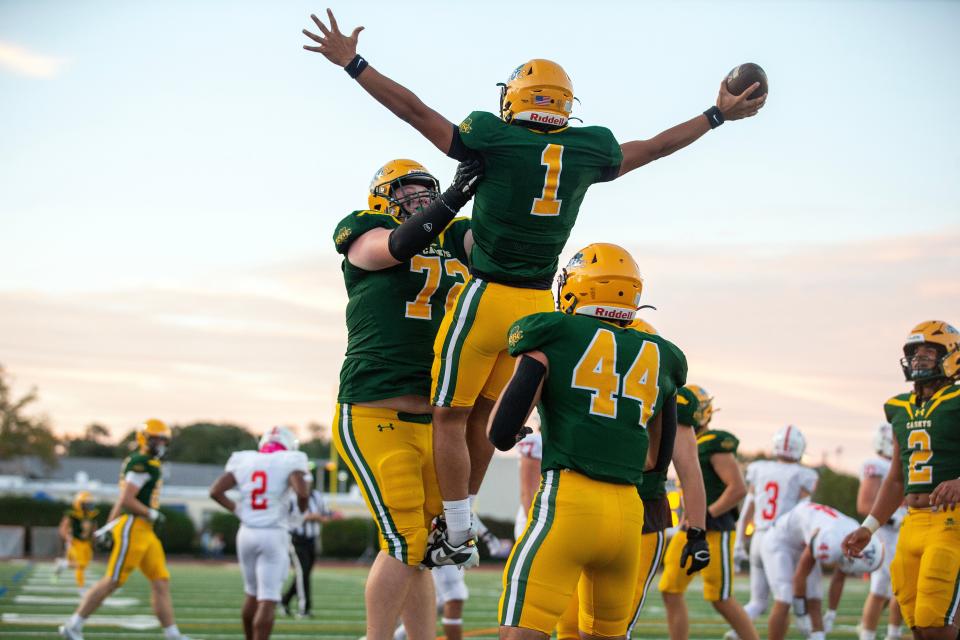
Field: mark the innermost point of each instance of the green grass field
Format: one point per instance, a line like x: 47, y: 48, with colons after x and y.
x: 207, y: 599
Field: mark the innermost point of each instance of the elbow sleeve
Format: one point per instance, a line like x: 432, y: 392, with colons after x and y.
x: 419, y: 230
x: 515, y: 403
x: 668, y: 433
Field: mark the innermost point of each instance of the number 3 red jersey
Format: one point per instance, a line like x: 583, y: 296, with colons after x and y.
x: 263, y: 481
x: 776, y: 489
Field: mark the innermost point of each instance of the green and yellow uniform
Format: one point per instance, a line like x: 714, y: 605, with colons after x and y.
x: 721, y: 529
x: 392, y: 319
x: 523, y: 212
x: 604, y: 384
x: 80, y: 549
x: 926, y: 568
x: 135, y: 545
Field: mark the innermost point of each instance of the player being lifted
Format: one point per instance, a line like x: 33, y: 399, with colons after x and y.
x: 795, y: 551
x: 774, y: 487
x: 725, y: 488
x: 135, y: 545
x: 657, y: 515
x: 402, y: 269
x: 605, y: 391
x: 872, y: 474
x: 264, y: 479
x: 537, y: 172
x: 926, y: 446
x: 76, y: 528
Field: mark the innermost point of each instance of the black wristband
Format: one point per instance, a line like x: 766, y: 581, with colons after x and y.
x: 696, y: 533
x: 714, y: 116
x: 356, y: 66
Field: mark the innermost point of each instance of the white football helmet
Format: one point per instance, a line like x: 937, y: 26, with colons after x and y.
x: 883, y: 440
x: 789, y: 443
x: 278, y: 438
x: 869, y: 561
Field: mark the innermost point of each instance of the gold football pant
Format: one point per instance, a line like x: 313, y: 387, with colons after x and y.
x: 135, y: 545
x: 390, y: 455
x: 79, y: 554
x: 926, y: 568
x: 577, y: 526
x: 718, y: 575
x: 651, y: 554
x: 470, y: 352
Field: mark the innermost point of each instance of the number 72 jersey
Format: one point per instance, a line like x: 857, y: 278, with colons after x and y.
x: 929, y: 437
x: 264, y: 480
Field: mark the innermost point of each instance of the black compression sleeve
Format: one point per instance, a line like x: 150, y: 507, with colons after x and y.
x: 668, y: 433
x: 459, y: 151
x: 515, y: 403
x: 419, y: 230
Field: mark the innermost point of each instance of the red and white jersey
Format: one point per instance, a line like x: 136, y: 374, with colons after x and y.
x: 531, y: 446
x: 797, y: 528
x: 776, y: 489
x: 264, y: 482
x: 874, y: 468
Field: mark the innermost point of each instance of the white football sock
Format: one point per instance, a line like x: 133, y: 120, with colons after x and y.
x: 867, y: 635
x: 894, y: 631
x: 457, y: 514
x: 171, y: 632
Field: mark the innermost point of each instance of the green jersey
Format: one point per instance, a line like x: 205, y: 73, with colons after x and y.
x: 929, y: 437
x: 145, y: 470
x: 81, y: 523
x: 393, y: 314
x: 605, y: 383
x: 710, y: 442
x: 531, y: 191
x: 654, y: 484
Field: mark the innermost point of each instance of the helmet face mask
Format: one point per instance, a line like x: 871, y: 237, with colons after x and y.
x: 390, y: 192
x: 153, y: 438
x: 83, y: 501
x: 704, y: 413
x: 931, y: 352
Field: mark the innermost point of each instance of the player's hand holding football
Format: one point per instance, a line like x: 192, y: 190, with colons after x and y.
x: 737, y: 107
x: 854, y: 543
x: 946, y: 496
x: 336, y: 47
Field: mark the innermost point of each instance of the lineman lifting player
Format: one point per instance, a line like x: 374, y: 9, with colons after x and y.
x: 537, y: 172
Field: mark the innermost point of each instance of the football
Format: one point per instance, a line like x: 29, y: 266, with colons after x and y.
x: 743, y: 76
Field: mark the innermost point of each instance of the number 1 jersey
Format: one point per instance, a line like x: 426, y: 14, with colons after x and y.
x: 776, y: 489
x: 393, y: 314
x: 264, y: 481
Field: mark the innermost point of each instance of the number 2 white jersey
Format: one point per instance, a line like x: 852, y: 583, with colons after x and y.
x: 264, y: 480
x: 776, y: 489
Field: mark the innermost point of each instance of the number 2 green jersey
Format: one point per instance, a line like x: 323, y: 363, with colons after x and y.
x: 929, y: 437
x: 530, y: 195
x: 604, y: 384
x: 655, y: 482
x: 393, y: 314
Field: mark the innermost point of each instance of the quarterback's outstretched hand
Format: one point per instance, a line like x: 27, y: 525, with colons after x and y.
x: 733, y: 107
x: 464, y: 183
x: 854, y: 543
x: 696, y: 550
x: 946, y: 496
x: 336, y: 47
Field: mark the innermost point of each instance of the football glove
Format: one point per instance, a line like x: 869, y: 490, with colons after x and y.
x: 104, y: 542
x: 696, y: 550
x: 156, y: 517
x: 464, y: 184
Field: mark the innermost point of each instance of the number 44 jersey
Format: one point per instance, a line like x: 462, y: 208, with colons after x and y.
x: 776, y: 489
x: 264, y: 482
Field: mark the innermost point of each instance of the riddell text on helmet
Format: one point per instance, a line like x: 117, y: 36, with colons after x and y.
x: 610, y: 313
x: 547, y: 118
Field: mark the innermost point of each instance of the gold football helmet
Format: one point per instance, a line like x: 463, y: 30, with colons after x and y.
x: 83, y: 501
x: 601, y: 280
x: 704, y: 411
x: 153, y: 436
x: 538, y: 93
x: 642, y: 326
x: 945, y: 339
x: 395, y: 174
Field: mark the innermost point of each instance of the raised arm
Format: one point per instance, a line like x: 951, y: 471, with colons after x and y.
x: 219, y: 488
x: 729, y: 107
x: 341, y: 50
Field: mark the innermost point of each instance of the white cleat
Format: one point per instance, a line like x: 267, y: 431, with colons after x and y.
x: 70, y: 633
x: 731, y: 635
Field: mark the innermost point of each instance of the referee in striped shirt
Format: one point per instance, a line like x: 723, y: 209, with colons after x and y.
x: 303, y: 549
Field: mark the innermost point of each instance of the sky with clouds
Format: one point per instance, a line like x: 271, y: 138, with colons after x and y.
x: 170, y: 175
